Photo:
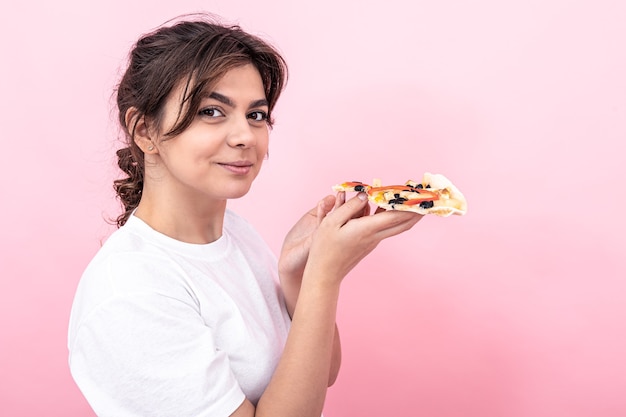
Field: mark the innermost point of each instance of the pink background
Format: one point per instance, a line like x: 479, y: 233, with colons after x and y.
x: 515, y: 310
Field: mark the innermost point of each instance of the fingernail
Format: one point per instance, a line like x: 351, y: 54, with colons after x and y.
x: 362, y: 196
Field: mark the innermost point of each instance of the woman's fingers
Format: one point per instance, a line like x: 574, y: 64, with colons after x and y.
x: 402, y: 222
x: 340, y: 199
x: 346, y: 210
x: 385, y: 224
x: 355, y: 214
x: 325, y: 206
x: 358, y: 209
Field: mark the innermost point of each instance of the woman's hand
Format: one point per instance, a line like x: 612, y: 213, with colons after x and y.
x: 297, y: 244
x: 295, y: 250
x: 346, y: 236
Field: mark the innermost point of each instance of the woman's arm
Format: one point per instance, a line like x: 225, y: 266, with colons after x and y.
x: 291, y: 288
x: 294, y: 255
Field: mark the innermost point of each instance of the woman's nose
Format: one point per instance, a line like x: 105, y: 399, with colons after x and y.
x: 242, y: 134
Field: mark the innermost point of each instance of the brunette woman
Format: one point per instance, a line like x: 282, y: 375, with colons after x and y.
x: 184, y: 311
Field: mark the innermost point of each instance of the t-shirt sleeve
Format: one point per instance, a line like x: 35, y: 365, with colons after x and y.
x: 147, y: 354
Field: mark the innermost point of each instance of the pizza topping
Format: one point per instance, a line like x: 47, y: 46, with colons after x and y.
x: 402, y: 189
x: 418, y: 186
x: 398, y: 200
x: 352, y: 186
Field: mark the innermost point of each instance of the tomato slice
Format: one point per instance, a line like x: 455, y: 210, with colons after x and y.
x: 353, y: 184
x: 386, y: 188
x: 356, y: 186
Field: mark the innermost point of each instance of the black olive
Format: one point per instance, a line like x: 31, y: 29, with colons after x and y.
x: 427, y: 204
x: 359, y: 188
x: 419, y: 186
x: 397, y: 200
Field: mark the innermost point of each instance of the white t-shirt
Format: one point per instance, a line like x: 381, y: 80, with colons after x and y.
x: 161, y: 327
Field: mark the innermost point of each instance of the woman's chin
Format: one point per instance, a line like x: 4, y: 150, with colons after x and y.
x: 239, y: 192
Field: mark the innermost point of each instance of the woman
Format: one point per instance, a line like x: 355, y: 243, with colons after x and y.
x: 184, y: 310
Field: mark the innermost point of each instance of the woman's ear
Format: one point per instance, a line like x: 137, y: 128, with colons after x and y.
x: 140, y: 131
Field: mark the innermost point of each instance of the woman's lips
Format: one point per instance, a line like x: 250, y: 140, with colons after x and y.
x: 237, y: 167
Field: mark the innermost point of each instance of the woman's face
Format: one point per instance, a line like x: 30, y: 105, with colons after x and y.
x: 219, y: 155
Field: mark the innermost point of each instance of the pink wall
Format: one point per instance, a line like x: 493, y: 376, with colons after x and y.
x: 515, y: 310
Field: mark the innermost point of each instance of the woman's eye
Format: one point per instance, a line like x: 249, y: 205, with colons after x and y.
x: 258, y: 116
x: 211, y: 112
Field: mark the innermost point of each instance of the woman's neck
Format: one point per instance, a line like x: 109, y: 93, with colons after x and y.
x: 198, y: 222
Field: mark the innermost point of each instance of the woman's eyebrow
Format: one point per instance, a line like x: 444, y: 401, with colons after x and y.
x: 221, y: 98
x: 225, y: 100
x: 259, y: 103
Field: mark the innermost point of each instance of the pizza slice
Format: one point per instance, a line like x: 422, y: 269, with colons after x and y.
x: 435, y: 194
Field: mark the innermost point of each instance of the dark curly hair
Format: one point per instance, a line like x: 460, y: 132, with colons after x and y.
x: 198, y: 51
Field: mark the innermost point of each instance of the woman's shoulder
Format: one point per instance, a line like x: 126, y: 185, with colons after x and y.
x: 130, y: 260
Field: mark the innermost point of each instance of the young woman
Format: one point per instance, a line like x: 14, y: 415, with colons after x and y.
x: 184, y: 311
